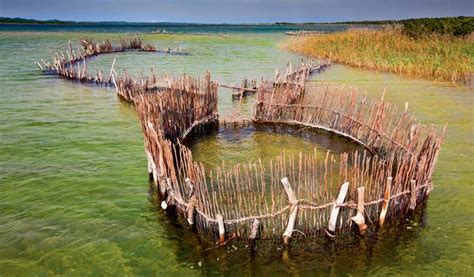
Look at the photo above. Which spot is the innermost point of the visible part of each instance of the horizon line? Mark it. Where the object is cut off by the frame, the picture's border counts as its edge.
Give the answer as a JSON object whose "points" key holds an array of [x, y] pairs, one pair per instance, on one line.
{"points": [[226, 23]]}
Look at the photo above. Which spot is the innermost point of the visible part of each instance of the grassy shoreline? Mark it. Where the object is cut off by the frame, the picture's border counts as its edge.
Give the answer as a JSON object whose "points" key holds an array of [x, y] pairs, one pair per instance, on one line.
{"points": [[441, 58]]}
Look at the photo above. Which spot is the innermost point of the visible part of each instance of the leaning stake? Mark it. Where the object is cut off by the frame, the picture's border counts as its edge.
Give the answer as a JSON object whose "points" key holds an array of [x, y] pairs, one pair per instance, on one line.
{"points": [[386, 200], [335, 209], [293, 209]]}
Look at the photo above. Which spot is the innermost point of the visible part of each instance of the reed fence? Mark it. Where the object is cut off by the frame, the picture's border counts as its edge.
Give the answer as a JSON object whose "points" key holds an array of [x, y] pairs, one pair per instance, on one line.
{"points": [[73, 64], [250, 87], [300, 196], [291, 196]]}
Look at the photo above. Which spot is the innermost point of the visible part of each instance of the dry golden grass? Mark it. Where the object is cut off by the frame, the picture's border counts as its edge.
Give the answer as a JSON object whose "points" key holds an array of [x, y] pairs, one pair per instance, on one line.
{"points": [[438, 58]]}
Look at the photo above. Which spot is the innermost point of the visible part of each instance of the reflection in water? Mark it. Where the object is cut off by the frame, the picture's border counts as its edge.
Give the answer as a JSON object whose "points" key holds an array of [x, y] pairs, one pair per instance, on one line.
{"points": [[346, 253]]}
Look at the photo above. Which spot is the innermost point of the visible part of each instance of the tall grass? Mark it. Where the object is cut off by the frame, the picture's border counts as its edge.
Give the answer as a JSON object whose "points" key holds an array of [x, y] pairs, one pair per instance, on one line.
{"points": [[442, 58]]}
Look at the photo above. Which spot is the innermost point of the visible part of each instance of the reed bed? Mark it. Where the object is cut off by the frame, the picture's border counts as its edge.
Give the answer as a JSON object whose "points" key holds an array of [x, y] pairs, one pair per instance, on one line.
{"points": [[443, 58]]}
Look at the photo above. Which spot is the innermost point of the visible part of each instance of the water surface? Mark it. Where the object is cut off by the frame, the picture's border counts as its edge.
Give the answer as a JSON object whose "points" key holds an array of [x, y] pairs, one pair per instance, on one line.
{"points": [[73, 180]]}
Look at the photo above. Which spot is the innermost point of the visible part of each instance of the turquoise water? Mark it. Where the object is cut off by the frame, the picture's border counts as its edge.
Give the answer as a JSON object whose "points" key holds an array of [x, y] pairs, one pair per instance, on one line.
{"points": [[182, 28], [73, 180]]}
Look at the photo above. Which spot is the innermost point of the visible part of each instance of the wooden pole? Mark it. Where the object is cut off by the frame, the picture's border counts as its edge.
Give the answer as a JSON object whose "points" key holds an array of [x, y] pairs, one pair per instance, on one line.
{"points": [[335, 209], [413, 194], [359, 219], [254, 230], [152, 168], [289, 191], [238, 88], [192, 202], [293, 209], [112, 68], [39, 66], [386, 200], [291, 224], [220, 223]]}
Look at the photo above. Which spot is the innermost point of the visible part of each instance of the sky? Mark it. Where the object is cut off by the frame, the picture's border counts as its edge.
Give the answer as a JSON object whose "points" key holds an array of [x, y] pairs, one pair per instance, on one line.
{"points": [[233, 11]]}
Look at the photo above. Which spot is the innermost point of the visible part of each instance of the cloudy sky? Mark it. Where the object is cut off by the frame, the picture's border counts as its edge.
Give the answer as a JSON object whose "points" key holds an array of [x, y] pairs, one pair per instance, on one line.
{"points": [[233, 11]]}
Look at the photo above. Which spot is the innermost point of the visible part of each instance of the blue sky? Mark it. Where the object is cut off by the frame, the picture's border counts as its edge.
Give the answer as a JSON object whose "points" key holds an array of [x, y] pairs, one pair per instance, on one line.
{"points": [[233, 11]]}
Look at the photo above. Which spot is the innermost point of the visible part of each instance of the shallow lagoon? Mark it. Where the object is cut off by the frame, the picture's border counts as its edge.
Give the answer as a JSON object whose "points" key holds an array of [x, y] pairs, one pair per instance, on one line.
{"points": [[73, 178]]}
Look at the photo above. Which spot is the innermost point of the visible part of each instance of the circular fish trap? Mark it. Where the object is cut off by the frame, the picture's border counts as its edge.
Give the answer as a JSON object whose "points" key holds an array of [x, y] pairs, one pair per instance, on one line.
{"points": [[290, 195]]}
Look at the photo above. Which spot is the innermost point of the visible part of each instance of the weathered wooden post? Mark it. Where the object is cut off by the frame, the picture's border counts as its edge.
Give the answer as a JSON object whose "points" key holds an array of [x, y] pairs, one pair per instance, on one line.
{"points": [[291, 223], [152, 162], [386, 200], [359, 219], [220, 223], [413, 195], [293, 209], [112, 75], [152, 168], [192, 202], [335, 209], [254, 230], [39, 66]]}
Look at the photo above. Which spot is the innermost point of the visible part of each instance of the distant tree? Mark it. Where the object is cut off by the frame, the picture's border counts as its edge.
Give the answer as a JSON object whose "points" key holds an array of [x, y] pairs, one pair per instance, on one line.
{"points": [[456, 26]]}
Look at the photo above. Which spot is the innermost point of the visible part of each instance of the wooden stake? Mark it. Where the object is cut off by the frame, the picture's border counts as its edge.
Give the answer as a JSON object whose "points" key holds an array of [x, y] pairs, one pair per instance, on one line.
{"points": [[293, 209], [112, 68], [220, 223], [289, 191], [335, 209], [39, 66], [413, 194], [192, 202], [291, 223], [386, 200], [359, 219], [254, 230], [152, 168]]}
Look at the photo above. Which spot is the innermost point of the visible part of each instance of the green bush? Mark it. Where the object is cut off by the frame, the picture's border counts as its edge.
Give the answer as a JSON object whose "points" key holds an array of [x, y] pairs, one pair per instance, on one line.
{"points": [[455, 26]]}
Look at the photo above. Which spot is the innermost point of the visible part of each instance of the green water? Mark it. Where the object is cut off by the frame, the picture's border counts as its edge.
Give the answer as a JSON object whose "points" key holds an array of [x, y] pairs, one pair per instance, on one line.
{"points": [[73, 181], [254, 143]]}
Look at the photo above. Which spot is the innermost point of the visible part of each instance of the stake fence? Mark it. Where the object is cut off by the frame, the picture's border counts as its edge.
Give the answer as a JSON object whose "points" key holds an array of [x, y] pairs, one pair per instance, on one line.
{"points": [[290, 197]]}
